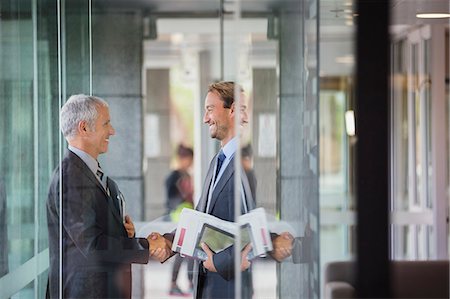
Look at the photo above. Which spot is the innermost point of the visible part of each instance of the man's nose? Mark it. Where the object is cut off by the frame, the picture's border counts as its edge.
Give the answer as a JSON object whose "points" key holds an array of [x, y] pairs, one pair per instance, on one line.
{"points": [[244, 117]]}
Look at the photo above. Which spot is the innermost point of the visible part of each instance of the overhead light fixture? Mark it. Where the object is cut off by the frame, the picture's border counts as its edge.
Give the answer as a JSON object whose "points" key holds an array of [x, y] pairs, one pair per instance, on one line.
{"points": [[433, 15], [347, 59], [350, 122]]}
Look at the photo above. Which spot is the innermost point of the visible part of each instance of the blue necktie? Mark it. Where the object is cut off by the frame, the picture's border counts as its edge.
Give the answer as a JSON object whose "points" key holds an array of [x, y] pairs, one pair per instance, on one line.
{"points": [[220, 158]]}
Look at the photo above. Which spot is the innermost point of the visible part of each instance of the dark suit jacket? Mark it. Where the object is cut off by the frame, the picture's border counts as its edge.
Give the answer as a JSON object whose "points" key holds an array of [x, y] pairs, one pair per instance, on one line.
{"points": [[96, 251], [221, 284]]}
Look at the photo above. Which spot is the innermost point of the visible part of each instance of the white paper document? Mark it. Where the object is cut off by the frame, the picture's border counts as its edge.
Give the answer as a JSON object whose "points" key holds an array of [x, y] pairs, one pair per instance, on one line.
{"points": [[196, 227]]}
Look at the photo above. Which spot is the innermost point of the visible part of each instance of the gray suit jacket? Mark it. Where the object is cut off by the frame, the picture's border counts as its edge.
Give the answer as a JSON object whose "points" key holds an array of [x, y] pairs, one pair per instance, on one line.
{"points": [[96, 251], [221, 284]]}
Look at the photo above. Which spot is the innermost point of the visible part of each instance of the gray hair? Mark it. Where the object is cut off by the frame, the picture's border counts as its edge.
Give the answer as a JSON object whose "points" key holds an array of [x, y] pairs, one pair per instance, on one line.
{"points": [[78, 108]]}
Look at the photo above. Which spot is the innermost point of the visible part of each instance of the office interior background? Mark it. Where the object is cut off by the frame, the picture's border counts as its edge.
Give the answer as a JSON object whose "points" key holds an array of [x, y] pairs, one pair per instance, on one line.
{"points": [[349, 123]]}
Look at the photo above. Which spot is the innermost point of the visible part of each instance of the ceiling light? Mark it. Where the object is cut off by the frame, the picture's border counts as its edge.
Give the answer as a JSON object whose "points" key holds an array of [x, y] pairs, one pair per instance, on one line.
{"points": [[433, 15], [350, 122], [345, 59]]}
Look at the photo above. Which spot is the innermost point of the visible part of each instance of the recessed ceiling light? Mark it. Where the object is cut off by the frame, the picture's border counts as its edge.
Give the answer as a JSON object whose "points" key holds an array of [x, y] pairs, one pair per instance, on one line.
{"points": [[433, 15]]}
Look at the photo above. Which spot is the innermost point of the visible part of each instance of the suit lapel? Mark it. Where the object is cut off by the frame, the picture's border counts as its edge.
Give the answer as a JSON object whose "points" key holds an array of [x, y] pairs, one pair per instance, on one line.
{"points": [[80, 163], [228, 172], [114, 191], [201, 206]]}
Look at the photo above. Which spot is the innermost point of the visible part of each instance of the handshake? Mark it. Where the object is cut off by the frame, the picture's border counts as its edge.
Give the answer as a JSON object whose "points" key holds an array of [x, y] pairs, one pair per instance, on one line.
{"points": [[160, 247]]}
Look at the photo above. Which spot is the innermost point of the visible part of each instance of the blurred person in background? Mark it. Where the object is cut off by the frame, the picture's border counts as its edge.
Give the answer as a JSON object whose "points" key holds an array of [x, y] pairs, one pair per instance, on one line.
{"points": [[246, 158], [179, 193]]}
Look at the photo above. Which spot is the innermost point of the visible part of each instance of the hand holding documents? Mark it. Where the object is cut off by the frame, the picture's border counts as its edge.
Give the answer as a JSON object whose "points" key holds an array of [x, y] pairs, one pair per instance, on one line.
{"points": [[195, 228]]}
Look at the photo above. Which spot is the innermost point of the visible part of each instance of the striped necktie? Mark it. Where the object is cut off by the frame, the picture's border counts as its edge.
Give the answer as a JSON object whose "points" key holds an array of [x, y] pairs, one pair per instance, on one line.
{"points": [[103, 178]]}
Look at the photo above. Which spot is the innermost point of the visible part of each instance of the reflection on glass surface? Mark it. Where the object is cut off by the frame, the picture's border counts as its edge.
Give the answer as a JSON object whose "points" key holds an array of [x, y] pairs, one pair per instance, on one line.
{"points": [[411, 147], [337, 149]]}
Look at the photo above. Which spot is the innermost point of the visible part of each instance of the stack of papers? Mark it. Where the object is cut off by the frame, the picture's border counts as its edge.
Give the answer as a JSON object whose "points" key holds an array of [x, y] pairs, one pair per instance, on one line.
{"points": [[195, 228]]}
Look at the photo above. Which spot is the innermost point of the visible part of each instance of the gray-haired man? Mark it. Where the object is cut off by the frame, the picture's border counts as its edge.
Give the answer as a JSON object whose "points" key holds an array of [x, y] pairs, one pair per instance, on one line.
{"points": [[98, 244]]}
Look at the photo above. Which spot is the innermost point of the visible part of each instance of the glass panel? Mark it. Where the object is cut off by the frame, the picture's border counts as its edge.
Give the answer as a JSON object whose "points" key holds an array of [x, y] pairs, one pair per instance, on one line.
{"points": [[182, 54], [400, 128], [337, 136], [299, 147], [411, 124], [257, 110], [426, 94], [29, 139], [400, 149], [447, 120], [66, 73], [17, 140], [335, 184], [417, 124], [76, 45]]}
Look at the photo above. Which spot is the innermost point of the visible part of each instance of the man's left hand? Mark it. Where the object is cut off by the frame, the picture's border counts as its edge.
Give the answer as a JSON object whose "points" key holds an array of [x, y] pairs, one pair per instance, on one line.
{"points": [[208, 264], [129, 226], [245, 263]]}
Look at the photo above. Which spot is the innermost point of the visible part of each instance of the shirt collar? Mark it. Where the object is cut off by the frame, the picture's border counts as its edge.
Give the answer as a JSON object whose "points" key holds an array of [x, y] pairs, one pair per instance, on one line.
{"points": [[88, 159], [230, 148]]}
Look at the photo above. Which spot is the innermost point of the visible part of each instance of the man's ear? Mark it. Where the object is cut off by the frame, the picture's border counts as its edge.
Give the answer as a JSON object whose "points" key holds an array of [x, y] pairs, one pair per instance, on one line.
{"points": [[232, 107], [82, 127]]}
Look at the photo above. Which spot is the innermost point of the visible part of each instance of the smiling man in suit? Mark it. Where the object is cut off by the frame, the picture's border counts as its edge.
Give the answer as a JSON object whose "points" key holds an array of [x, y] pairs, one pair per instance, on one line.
{"points": [[215, 277], [91, 251]]}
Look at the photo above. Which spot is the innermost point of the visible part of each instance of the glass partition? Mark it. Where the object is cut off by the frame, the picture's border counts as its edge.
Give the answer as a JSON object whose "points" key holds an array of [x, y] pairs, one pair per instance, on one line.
{"points": [[413, 228], [337, 136], [155, 76], [29, 143]]}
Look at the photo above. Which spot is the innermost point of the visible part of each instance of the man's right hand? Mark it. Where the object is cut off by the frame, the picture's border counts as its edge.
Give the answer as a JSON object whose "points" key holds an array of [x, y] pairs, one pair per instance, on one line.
{"points": [[160, 248]]}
